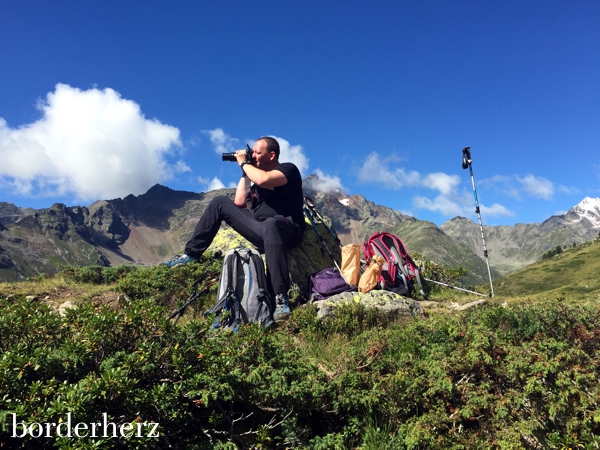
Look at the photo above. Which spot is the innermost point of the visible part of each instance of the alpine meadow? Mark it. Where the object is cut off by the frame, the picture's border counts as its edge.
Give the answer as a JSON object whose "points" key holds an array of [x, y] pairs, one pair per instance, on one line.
{"points": [[96, 343]]}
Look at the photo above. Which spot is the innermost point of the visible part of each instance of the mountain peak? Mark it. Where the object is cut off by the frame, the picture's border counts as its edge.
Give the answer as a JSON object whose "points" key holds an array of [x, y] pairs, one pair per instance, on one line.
{"points": [[589, 203], [588, 208]]}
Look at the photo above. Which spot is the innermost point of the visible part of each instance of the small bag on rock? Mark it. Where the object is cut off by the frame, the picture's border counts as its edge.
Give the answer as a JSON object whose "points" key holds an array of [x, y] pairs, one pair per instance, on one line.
{"points": [[326, 283], [351, 263], [370, 278]]}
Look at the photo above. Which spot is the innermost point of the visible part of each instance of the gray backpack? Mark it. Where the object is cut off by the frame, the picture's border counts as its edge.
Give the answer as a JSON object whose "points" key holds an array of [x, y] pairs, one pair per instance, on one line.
{"points": [[243, 291]]}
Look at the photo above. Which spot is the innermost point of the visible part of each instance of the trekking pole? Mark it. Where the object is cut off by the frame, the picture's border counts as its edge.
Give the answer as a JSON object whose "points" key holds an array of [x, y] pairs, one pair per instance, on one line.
{"points": [[193, 296], [454, 287], [466, 162], [315, 212], [312, 222]]}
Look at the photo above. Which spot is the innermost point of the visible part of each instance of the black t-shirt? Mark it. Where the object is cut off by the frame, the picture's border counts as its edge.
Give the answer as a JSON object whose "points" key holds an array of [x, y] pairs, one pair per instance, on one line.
{"points": [[283, 200]]}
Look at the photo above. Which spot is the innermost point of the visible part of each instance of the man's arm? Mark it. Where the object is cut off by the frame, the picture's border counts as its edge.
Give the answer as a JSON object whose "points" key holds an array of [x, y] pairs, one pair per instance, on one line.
{"points": [[240, 193], [265, 179]]}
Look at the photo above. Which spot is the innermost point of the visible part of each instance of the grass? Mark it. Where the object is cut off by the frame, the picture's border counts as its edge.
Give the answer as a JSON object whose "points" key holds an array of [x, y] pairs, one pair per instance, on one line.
{"points": [[571, 274], [55, 288], [403, 382]]}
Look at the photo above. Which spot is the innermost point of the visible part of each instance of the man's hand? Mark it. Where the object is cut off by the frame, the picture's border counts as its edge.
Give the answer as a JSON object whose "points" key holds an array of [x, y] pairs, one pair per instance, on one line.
{"points": [[240, 156]]}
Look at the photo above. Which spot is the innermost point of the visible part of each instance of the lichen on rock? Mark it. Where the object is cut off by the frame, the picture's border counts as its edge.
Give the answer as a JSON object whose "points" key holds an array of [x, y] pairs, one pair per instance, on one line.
{"points": [[383, 300]]}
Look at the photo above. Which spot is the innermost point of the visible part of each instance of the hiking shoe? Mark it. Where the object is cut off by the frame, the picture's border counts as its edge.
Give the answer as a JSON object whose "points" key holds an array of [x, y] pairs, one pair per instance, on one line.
{"points": [[282, 307], [178, 260]]}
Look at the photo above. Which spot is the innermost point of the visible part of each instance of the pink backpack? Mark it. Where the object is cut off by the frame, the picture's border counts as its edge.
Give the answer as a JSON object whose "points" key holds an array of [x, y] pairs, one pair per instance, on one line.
{"points": [[399, 271]]}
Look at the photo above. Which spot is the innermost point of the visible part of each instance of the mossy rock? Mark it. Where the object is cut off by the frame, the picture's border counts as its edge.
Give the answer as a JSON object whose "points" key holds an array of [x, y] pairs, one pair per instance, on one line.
{"points": [[386, 301], [310, 257]]}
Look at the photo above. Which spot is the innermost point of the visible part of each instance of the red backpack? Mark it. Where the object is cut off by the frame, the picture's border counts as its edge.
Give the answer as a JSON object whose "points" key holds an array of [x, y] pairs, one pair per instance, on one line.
{"points": [[399, 271]]}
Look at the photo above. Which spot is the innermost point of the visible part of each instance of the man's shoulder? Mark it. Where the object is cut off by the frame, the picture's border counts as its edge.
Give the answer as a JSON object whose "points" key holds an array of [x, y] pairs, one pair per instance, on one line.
{"points": [[288, 164], [288, 169]]}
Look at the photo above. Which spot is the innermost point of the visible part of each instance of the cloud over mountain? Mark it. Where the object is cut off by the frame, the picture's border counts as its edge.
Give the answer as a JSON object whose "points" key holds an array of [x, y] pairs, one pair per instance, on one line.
{"points": [[449, 202], [89, 144]]}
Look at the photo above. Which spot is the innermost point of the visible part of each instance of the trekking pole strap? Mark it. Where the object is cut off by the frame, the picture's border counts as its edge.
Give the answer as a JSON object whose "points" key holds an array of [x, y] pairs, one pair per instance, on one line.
{"points": [[455, 287]]}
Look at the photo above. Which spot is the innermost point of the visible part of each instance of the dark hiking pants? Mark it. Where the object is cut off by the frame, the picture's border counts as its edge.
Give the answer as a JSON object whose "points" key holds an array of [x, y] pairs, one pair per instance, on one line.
{"points": [[273, 237]]}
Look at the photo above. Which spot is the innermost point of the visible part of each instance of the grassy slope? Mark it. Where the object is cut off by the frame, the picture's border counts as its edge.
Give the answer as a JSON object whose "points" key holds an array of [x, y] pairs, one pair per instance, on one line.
{"points": [[572, 274]]}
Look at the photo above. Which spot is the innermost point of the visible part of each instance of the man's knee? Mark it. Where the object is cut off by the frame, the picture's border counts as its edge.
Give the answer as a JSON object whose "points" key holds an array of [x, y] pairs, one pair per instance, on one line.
{"points": [[219, 200], [271, 224]]}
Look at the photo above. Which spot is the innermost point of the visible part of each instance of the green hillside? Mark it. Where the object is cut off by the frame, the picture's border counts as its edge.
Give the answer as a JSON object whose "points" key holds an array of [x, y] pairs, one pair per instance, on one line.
{"points": [[572, 274], [428, 240]]}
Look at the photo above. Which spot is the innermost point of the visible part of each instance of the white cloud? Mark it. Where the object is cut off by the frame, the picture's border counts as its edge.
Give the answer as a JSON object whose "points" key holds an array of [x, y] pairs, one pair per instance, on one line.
{"points": [[442, 182], [449, 202], [568, 189], [325, 183], [529, 185], [91, 144], [376, 169], [539, 187], [211, 185], [215, 183], [294, 154], [496, 210], [222, 142], [441, 204]]}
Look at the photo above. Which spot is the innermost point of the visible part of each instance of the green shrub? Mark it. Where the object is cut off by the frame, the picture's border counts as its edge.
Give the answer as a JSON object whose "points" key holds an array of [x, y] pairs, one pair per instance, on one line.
{"points": [[167, 286], [493, 377], [96, 274]]}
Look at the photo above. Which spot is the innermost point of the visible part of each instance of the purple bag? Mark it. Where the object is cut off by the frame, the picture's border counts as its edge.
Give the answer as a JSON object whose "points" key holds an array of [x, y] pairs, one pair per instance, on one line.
{"points": [[326, 283]]}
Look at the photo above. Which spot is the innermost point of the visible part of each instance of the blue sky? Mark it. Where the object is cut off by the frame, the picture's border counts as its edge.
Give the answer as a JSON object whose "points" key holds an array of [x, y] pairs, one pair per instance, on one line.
{"points": [[100, 99]]}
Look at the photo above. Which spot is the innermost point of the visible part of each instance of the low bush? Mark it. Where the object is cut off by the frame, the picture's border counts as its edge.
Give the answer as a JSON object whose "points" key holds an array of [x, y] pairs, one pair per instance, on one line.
{"points": [[494, 377], [166, 285], [96, 274]]}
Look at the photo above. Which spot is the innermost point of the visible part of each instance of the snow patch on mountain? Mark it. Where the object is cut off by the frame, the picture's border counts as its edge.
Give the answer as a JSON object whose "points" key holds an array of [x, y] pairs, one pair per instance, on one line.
{"points": [[588, 208]]}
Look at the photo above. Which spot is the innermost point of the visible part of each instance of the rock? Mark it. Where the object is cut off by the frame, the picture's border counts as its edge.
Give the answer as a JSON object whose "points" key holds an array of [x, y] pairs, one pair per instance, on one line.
{"points": [[383, 300], [310, 257], [32, 298], [62, 308], [226, 239]]}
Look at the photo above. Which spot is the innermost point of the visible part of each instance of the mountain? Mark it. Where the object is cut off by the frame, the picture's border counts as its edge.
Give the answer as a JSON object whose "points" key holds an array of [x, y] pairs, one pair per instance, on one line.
{"points": [[572, 275], [10, 213], [355, 218], [148, 228], [513, 247], [139, 230]]}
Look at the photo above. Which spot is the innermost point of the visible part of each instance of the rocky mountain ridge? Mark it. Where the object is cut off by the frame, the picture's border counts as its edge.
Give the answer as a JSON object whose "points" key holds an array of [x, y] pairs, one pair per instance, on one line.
{"points": [[513, 247], [148, 228]]}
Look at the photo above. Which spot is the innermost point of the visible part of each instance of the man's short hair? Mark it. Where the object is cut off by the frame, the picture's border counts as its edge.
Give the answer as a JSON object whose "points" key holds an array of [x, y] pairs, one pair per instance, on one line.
{"points": [[272, 145]]}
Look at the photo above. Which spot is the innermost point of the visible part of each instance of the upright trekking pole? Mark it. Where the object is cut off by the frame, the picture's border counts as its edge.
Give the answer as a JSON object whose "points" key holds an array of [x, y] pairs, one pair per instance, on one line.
{"points": [[466, 162], [311, 219]]}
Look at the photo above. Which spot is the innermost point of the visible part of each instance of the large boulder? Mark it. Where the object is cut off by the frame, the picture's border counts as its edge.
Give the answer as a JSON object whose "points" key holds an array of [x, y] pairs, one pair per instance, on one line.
{"points": [[386, 301], [310, 257]]}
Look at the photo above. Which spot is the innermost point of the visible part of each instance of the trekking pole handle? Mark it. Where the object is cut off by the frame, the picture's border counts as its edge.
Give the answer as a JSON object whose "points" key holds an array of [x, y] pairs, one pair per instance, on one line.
{"points": [[466, 157]]}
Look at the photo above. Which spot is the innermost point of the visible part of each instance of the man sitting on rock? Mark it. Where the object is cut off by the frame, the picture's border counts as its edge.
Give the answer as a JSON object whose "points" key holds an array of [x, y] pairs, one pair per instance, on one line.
{"points": [[275, 225]]}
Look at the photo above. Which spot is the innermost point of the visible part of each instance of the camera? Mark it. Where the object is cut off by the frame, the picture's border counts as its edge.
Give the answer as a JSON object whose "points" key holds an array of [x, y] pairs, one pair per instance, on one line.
{"points": [[231, 156]]}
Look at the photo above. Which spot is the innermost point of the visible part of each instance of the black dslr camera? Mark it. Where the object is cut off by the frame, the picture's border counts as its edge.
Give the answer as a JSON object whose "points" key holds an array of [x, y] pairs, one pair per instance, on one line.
{"points": [[231, 156]]}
